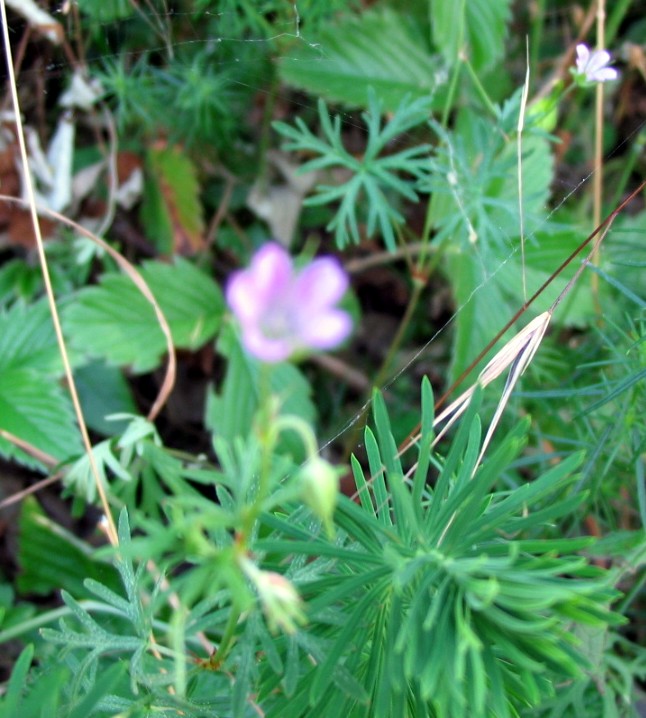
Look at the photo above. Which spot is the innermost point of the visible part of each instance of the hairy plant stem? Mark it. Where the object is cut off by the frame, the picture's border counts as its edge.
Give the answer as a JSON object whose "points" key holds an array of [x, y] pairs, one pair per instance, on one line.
{"points": [[418, 287], [482, 93], [218, 658]]}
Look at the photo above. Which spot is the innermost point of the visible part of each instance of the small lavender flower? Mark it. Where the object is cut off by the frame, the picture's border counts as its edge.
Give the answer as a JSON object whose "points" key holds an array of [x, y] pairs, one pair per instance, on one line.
{"points": [[282, 311], [593, 66]]}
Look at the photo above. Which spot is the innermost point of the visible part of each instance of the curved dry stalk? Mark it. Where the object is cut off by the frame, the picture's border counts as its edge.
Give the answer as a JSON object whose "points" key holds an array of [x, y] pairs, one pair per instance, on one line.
{"points": [[29, 187], [45, 458]]}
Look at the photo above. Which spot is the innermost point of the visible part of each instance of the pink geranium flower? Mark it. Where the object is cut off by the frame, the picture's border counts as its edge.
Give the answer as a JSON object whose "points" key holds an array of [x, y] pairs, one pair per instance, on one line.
{"points": [[593, 66], [282, 311]]}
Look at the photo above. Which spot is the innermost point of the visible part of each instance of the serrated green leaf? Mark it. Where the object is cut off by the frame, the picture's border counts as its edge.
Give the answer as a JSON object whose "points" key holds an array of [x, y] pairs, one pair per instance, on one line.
{"points": [[114, 321], [171, 211], [27, 339], [36, 410], [381, 49], [480, 25]]}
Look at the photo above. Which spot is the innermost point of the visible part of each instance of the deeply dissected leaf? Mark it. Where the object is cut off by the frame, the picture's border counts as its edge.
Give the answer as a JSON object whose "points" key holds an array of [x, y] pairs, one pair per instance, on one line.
{"points": [[114, 321], [381, 49], [376, 178], [172, 211]]}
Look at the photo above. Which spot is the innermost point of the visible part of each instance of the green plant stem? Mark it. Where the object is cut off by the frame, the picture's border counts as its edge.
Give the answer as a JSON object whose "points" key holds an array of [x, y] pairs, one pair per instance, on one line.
{"points": [[266, 428], [418, 288], [226, 642], [482, 93], [450, 95]]}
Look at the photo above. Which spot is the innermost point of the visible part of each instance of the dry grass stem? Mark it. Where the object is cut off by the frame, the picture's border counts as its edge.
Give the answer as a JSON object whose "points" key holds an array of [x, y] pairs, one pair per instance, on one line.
{"points": [[29, 188], [519, 152]]}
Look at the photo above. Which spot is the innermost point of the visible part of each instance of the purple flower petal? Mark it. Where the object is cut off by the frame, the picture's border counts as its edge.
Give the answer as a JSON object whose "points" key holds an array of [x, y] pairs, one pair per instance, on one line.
{"points": [[329, 330], [597, 60], [321, 284], [605, 74], [241, 297], [593, 66], [582, 57], [266, 349], [271, 269]]}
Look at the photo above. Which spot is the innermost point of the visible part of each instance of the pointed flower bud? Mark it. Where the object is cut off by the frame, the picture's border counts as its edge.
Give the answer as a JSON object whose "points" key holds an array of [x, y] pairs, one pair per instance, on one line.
{"points": [[281, 604], [320, 489]]}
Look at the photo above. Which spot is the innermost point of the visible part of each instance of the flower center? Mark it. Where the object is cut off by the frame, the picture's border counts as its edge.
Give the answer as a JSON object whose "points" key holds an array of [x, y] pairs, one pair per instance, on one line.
{"points": [[279, 321]]}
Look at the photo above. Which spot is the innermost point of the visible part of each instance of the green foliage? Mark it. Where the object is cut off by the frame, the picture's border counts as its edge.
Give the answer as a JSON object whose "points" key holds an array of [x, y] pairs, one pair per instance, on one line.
{"points": [[32, 405], [231, 411], [106, 10], [130, 334], [421, 604], [52, 558], [478, 27], [427, 604], [103, 391], [375, 176], [379, 49], [449, 586], [131, 87], [205, 99], [171, 211]]}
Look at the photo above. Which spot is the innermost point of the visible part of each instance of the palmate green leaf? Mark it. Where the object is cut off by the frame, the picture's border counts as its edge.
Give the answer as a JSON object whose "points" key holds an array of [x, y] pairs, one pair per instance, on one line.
{"points": [[115, 322], [481, 25], [34, 408], [380, 49], [378, 177]]}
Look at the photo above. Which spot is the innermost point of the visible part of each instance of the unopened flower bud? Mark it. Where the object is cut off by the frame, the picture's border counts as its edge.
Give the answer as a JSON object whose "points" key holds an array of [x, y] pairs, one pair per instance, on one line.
{"points": [[320, 489], [281, 604]]}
